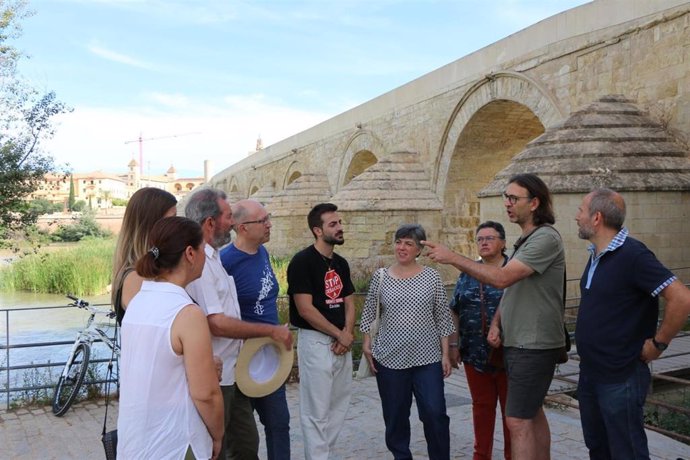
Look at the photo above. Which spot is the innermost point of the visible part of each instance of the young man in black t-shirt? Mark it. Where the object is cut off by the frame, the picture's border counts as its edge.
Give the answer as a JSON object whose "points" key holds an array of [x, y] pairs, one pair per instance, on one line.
{"points": [[322, 307]]}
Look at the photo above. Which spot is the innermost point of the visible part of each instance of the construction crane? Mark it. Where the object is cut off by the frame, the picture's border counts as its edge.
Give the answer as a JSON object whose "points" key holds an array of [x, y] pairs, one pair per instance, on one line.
{"points": [[141, 141]]}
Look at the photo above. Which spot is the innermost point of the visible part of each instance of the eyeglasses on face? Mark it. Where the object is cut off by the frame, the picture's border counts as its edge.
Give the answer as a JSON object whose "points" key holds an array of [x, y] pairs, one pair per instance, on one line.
{"points": [[488, 239], [263, 221], [512, 199]]}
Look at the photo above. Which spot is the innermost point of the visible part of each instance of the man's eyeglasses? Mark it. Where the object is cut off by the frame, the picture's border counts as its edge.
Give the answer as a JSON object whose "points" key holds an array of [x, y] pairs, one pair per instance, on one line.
{"points": [[488, 239], [512, 199], [260, 221]]}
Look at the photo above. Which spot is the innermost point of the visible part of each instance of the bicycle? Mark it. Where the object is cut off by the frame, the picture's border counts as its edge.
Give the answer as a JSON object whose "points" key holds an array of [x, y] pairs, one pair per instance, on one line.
{"points": [[72, 376]]}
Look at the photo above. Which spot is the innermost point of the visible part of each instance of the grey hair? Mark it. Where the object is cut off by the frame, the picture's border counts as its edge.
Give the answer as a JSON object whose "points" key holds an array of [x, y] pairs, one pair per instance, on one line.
{"points": [[611, 206], [203, 204], [414, 232]]}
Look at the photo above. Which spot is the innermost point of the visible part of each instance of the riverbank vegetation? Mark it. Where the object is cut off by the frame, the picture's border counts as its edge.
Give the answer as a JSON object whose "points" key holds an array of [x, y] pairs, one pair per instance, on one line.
{"points": [[85, 268], [82, 270]]}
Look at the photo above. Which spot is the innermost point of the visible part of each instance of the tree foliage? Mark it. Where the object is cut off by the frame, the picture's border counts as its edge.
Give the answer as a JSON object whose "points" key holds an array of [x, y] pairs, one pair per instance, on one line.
{"points": [[84, 227], [43, 206], [26, 119]]}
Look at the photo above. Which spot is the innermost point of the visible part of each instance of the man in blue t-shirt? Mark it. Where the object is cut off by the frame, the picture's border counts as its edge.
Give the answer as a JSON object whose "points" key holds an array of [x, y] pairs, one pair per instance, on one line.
{"points": [[257, 290], [617, 328]]}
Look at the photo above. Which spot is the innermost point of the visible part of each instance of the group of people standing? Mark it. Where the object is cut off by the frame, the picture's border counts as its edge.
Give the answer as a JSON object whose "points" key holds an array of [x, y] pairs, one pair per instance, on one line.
{"points": [[616, 328], [185, 321], [189, 304]]}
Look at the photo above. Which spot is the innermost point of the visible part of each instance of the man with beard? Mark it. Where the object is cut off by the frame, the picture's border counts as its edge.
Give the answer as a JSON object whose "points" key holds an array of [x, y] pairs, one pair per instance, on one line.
{"points": [[322, 308], [529, 320], [617, 328], [247, 261], [216, 294]]}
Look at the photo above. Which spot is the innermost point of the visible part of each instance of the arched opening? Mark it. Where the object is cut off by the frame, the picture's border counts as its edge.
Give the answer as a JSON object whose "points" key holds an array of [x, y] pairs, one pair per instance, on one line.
{"points": [[253, 190], [490, 139], [360, 162], [293, 177]]}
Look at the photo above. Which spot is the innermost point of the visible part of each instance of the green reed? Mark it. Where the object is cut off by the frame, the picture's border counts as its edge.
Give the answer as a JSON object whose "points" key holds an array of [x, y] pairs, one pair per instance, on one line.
{"points": [[82, 269]]}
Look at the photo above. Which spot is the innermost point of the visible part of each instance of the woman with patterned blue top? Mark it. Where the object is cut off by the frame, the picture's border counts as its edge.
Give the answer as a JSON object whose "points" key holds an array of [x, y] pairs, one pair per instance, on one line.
{"points": [[474, 305], [409, 355]]}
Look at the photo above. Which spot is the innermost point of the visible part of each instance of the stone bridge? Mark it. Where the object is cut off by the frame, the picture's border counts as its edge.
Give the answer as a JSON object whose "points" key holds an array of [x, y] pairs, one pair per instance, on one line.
{"points": [[596, 95]]}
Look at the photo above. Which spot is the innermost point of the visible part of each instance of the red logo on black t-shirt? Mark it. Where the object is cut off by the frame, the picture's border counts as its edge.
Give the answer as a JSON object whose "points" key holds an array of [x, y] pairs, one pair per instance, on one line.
{"points": [[333, 285]]}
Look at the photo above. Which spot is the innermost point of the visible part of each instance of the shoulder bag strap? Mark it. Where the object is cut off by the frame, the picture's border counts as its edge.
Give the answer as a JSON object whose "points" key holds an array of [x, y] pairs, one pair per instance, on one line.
{"points": [[378, 293], [108, 377]]}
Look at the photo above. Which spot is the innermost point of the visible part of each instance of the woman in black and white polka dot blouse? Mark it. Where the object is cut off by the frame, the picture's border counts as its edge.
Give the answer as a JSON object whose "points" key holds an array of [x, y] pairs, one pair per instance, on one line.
{"points": [[409, 355]]}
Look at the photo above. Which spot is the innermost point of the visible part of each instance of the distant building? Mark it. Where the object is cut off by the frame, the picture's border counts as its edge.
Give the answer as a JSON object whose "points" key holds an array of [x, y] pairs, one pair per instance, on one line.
{"points": [[99, 188]]}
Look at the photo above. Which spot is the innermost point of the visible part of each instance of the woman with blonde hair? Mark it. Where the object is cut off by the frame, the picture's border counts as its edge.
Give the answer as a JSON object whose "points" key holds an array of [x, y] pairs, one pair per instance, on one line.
{"points": [[146, 207], [170, 405]]}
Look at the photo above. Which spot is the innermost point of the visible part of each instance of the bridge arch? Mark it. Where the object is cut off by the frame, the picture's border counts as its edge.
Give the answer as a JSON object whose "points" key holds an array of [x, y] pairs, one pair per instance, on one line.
{"points": [[231, 185], [491, 124], [253, 187], [499, 86], [292, 173], [362, 150]]}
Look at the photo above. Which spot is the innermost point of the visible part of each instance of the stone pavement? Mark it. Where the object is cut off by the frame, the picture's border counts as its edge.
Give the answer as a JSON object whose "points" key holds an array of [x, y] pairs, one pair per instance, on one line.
{"points": [[37, 433]]}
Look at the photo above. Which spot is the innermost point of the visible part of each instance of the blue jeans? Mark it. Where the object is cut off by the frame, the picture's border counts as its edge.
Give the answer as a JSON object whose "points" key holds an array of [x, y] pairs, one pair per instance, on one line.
{"points": [[275, 417], [396, 387], [612, 416]]}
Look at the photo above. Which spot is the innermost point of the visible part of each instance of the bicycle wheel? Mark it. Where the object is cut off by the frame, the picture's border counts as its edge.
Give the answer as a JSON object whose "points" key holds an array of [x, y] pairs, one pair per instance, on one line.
{"points": [[69, 383]]}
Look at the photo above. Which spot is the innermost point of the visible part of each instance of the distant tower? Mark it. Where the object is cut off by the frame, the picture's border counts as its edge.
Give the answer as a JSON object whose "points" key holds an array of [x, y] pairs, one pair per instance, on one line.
{"points": [[133, 177], [171, 172], [259, 144], [208, 170]]}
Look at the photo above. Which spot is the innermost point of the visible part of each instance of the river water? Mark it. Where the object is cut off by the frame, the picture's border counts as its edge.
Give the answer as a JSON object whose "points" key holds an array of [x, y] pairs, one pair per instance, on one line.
{"points": [[44, 322]]}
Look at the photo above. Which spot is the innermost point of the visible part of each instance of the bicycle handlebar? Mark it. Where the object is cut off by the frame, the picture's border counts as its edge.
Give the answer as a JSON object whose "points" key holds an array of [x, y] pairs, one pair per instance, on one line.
{"points": [[79, 303]]}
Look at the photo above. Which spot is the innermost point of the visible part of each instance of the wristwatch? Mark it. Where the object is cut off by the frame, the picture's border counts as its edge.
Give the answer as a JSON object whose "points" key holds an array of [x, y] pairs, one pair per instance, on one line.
{"points": [[661, 346]]}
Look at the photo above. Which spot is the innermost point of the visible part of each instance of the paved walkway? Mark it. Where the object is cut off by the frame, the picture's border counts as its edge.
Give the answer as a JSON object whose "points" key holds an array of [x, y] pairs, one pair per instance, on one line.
{"points": [[36, 433]]}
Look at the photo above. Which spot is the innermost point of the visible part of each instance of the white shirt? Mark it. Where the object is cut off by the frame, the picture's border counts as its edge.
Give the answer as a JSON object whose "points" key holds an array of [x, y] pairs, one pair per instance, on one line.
{"points": [[215, 293], [157, 417]]}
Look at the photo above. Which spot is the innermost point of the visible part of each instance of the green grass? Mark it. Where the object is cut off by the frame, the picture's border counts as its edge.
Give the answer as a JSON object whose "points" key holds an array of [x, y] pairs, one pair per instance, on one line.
{"points": [[83, 269]]}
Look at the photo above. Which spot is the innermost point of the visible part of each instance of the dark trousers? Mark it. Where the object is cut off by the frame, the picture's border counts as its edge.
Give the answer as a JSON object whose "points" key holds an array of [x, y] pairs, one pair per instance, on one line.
{"points": [[612, 416], [275, 417], [241, 440], [396, 387]]}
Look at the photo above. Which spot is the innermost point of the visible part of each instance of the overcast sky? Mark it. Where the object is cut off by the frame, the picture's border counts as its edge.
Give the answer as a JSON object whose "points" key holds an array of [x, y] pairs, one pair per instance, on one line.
{"points": [[204, 79]]}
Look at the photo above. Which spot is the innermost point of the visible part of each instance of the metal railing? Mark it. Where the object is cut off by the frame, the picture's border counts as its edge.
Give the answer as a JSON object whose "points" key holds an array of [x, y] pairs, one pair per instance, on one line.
{"points": [[572, 304], [8, 368]]}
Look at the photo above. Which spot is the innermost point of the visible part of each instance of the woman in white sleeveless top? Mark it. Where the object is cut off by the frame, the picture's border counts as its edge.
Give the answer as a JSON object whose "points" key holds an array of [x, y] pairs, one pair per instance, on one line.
{"points": [[170, 399]]}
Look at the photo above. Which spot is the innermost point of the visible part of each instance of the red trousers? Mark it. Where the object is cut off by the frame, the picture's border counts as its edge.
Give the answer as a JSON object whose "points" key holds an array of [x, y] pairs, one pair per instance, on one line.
{"points": [[487, 389]]}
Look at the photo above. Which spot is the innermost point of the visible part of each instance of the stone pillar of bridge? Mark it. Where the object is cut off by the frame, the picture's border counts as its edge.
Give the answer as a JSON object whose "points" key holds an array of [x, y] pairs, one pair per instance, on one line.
{"points": [[393, 191], [609, 143], [289, 210]]}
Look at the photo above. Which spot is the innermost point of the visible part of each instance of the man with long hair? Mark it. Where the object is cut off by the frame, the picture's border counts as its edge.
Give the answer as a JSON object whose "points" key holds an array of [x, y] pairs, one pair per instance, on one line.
{"points": [[529, 321]]}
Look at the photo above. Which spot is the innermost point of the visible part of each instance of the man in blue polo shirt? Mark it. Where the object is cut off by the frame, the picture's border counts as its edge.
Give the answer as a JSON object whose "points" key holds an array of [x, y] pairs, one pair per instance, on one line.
{"points": [[617, 328]]}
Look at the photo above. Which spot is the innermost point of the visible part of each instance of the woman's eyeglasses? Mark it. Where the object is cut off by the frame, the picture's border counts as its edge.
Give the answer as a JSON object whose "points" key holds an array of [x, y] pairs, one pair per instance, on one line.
{"points": [[488, 239]]}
